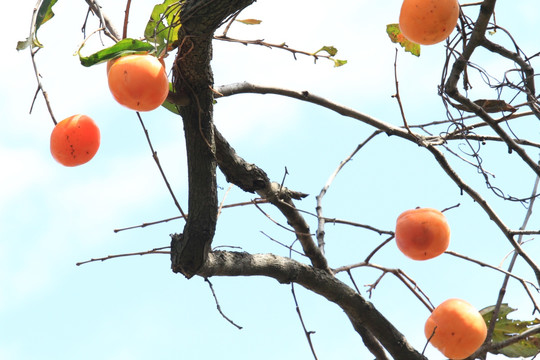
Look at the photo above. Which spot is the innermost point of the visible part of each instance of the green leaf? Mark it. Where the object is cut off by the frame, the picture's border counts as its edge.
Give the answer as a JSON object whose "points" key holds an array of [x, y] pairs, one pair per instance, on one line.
{"points": [[506, 328], [332, 51], [164, 23], [395, 35], [44, 14], [250, 21], [121, 48], [338, 63], [169, 105]]}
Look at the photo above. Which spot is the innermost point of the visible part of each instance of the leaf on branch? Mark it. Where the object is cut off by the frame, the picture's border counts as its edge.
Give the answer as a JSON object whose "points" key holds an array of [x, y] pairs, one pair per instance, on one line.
{"points": [[489, 106], [332, 51], [250, 21], [163, 26], [395, 35], [121, 48], [44, 14], [338, 63], [492, 106], [506, 328]]}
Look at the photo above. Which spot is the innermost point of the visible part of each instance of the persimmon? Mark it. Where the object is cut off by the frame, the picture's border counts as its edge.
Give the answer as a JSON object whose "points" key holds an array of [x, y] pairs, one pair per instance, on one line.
{"points": [[428, 22], [422, 233], [138, 81], [75, 140], [456, 329]]}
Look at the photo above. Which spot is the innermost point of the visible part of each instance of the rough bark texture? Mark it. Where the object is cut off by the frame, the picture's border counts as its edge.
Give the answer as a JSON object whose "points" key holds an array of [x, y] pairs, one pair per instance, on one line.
{"points": [[193, 76]]}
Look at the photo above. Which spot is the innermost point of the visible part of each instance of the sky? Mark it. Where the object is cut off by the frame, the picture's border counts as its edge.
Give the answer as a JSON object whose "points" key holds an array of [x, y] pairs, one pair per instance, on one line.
{"points": [[52, 217]]}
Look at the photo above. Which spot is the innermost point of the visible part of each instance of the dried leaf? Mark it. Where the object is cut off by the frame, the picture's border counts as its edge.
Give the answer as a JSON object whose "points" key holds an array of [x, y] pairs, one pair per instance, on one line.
{"points": [[492, 106], [250, 21]]}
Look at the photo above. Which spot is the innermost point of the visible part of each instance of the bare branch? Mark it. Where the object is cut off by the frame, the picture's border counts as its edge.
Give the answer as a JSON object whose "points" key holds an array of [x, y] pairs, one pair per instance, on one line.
{"points": [[321, 219], [153, 251], [287, 270], [219, 306], [156, 159]]}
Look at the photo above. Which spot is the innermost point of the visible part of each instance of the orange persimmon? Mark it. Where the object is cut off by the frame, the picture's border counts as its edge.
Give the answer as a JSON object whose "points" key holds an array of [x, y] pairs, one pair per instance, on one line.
{"points": [[138, 81], [456, 329], [422, 233], [75, 140], [428, 22]]}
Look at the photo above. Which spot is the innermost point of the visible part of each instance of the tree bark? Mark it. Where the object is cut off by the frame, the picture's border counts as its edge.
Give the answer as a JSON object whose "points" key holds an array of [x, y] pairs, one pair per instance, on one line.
{"points": [[360, 311], [192, 75]]}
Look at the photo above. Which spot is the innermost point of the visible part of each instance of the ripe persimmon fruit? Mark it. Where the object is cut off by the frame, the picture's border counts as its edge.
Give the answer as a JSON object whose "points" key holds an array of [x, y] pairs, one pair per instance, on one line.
{"points": [[456, 329], [75, 140], [138, 81], [422, 233], [428, 22]]}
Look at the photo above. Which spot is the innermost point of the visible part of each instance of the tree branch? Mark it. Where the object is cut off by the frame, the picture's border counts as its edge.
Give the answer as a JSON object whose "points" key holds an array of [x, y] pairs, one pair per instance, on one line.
{"points": [[192, 75], [286, 270]]}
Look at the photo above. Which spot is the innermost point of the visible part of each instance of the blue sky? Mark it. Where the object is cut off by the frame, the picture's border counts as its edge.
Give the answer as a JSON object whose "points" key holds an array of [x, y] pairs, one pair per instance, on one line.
{"points": [[52, 217]]}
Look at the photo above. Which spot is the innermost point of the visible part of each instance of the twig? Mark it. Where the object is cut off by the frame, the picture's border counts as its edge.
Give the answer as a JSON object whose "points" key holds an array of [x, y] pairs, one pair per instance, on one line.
{"points": [[282, 46], [483, 264], [109, 30], [126, 19], [355, 224], [34, 65], [274, 221], [404, 278], [156, 159], [290, 248], [218, 306], [220, 207], [368, 258], [308, 333], [229, 24], [502, 290], [321, 220], [397, 97], [143, 225], [153, 251]]}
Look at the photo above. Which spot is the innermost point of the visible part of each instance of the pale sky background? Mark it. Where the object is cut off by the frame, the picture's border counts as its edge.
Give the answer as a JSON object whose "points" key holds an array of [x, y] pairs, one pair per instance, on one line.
{"points": [[52, 217]]}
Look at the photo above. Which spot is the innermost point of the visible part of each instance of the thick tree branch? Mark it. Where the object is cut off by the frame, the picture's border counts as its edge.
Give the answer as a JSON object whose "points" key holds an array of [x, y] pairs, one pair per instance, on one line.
{"points": [[192, 75], [251, 178], [285, 270]]}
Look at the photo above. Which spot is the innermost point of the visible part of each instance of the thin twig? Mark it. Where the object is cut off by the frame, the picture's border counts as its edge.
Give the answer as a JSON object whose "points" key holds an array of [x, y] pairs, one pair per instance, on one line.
{"points": [[398, 97], [143, 225], [156, 159], [220, 207], [219, 307], [509, 274], [321, 220], [33, 53], [141, 253], [400, 274], [126, 19], [308, 333], [290, 248]]}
